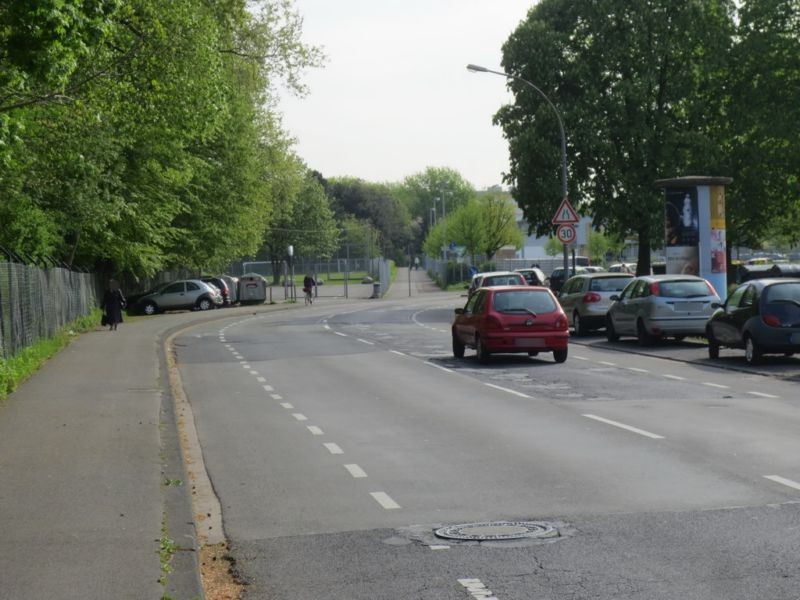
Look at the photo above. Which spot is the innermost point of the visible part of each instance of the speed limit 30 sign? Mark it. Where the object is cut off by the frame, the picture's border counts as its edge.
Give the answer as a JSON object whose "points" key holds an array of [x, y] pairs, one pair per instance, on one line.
{"points": [[566, 234]]}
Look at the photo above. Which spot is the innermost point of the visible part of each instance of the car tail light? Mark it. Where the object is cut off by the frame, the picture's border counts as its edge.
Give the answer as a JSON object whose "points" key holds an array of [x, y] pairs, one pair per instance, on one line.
{"points": [[771, 320], [590, 297], [711, 290], [561, 323], [654, 288], [493, 323]]}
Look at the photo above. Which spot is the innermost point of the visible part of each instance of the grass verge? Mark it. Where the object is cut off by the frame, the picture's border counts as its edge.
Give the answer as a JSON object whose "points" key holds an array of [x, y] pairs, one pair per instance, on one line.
{"points": [[17, 368]]}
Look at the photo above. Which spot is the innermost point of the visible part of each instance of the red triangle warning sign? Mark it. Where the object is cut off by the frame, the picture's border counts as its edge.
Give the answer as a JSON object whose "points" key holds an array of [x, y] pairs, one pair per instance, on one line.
{"points": [[565, 214]]}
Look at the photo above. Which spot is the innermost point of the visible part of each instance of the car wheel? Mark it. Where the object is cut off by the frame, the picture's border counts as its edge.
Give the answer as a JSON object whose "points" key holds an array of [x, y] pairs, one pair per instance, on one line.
{"points": [[205, 304], [644, 338], [611, 333], [458, 347], [577, 323], [149, 308], [713, 346], [483, 353], [752, 353], [560, 355]]}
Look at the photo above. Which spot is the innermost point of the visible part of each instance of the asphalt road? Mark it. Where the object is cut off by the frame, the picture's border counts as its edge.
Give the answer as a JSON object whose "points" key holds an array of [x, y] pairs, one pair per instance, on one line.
{"points": [[337, 440]]}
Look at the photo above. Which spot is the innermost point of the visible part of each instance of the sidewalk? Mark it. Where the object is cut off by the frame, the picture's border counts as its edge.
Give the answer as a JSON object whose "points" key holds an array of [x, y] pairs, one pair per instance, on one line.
{"points": [[89, 458]]}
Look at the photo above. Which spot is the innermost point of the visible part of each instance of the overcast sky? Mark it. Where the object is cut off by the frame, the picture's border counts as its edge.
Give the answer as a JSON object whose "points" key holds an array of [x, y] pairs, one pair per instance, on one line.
{"points": [[395, 97]]}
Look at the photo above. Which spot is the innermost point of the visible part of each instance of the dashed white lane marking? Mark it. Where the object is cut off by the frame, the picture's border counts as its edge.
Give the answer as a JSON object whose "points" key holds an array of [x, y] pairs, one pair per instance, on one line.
{"points": [[608, 364], [315, 430], [340, 333], [287, 406], [439, 547], [333, 448], [716, 385], [356, 471], [366, 342], [626, 427], [441, 368], [783, 481], [579, 357], [254, 372], [269, 388], [763, 395], [637, 370], [396, 352], [245, 366], [260, 380], [300, 416], [228, 346], [384, 500], [504, 389], [276, 396], [675, 377], [327, 327], [477, 589]]}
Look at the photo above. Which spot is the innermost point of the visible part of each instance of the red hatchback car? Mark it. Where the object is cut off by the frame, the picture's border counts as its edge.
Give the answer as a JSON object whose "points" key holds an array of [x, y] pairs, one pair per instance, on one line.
{"points": [[511, 319]]}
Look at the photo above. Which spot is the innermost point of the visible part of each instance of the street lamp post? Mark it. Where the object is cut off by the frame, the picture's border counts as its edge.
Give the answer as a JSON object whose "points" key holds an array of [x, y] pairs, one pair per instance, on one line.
{"points": [[478, 69], [444, 225]]}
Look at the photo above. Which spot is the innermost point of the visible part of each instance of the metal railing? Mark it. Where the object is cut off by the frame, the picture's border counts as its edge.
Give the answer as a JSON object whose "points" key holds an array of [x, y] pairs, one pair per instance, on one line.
{"points": [[36, 303]]}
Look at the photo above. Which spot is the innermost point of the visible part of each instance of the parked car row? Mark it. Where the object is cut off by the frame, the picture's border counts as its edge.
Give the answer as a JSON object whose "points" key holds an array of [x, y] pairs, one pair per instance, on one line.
{"points": [[188, 294], [505, 314]]}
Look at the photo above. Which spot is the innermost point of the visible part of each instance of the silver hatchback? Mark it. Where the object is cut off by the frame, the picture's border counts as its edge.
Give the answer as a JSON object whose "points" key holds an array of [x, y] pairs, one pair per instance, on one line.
{"points": [[585, 298], [655, 306], [182, 294]]}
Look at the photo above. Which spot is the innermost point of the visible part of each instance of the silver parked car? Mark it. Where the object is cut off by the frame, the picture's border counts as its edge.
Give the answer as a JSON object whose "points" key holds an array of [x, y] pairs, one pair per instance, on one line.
{"points": [[180, 295], [655, 306], [495, 278], [585, 298]]}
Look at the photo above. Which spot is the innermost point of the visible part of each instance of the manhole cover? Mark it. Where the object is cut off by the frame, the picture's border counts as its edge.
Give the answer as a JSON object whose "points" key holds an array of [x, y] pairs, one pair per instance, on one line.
{"points": [[497, 530]]}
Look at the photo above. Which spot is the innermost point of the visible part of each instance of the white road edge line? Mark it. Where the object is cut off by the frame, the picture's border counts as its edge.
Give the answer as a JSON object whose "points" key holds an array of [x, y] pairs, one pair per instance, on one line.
{"points": [[675, 377], [763, 395], [626, 427], [503, 389], [579, 357], [356, 471], [384, 500], [783, 481], [396, 352], [340, 333], [637, 370], [333, 448], [366, 342], [608, 364]]}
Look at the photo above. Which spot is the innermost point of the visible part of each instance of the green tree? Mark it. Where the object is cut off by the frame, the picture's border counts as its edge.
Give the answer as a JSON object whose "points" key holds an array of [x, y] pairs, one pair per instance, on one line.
{"points": [[630, 80], [760, 123], [553, 247], [498, 216], [465, 227]]}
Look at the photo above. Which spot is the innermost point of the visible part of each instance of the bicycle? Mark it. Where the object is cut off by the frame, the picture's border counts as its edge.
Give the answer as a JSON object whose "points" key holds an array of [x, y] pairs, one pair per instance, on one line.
{"points": [[308, 298]]}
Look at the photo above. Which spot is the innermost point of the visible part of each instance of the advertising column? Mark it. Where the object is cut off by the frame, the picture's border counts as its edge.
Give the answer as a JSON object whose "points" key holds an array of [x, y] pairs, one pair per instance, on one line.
{"points": [[694, 218]]}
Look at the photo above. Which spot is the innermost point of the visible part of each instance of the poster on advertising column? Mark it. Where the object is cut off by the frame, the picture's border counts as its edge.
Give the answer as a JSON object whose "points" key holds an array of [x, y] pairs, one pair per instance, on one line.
{"points": [[717, 244], [682, 223]]}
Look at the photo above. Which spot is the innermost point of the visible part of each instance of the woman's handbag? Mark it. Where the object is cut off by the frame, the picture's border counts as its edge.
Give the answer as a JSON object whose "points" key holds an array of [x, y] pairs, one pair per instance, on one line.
{"points": [[104, 320]]}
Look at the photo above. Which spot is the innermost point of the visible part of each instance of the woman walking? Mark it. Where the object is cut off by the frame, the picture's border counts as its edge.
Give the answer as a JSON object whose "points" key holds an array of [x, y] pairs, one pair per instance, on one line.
{"points": [[113, 303]]}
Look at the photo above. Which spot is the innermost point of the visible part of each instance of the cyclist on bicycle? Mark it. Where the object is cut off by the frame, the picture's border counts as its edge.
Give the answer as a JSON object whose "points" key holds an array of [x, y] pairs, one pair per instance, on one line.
{"points": [[308, 287]]}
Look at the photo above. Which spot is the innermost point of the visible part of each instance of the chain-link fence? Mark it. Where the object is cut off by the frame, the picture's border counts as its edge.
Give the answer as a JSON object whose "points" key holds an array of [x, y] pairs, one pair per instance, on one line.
{"points": [[35, 303]]}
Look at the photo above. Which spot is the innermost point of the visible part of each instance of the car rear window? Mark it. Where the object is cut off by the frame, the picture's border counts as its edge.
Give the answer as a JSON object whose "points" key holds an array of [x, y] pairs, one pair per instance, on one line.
{"points": [[524, 302], [608, 284], [683, 289], [496, 280], [788, 293]]}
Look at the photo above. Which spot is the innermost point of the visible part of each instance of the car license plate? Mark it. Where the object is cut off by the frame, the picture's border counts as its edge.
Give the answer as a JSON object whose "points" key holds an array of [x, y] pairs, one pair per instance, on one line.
{"points": [[530, 342], [688, 306]]}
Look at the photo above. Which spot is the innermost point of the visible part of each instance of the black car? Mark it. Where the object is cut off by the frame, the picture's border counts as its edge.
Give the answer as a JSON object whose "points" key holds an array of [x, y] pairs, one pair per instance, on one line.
{"points": [[557, 278], [762, 316], [222, 285]]}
